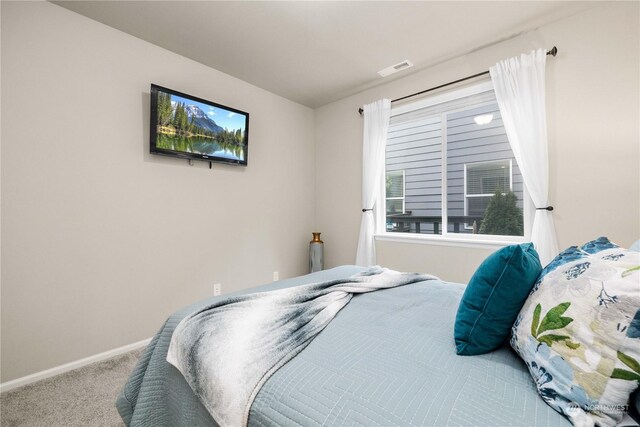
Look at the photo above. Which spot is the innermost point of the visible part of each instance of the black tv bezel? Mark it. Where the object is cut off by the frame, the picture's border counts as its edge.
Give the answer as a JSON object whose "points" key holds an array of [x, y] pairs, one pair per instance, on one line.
{"points": [[153, 134]]}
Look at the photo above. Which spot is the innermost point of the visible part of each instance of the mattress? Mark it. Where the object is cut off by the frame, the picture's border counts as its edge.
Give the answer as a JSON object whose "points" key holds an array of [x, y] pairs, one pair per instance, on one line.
{"points": [[388, 358]]}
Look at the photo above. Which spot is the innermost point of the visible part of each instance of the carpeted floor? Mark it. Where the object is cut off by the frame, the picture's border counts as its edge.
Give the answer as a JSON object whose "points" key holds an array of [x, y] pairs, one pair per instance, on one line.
{"points": [[83, 397]]}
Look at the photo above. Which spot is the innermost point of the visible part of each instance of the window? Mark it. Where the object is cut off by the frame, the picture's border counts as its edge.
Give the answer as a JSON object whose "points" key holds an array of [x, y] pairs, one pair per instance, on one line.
{"points": [[395, 207], [457, 172], [482, 180], [394, 184]]}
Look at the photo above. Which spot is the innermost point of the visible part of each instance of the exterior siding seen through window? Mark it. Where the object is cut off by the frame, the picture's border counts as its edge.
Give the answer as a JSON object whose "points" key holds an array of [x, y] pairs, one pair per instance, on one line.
{"points": [[416, 145]]}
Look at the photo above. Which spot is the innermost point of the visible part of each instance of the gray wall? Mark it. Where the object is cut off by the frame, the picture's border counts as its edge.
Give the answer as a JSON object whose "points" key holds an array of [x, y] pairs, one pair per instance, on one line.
{"points": [[593, 114], [102, 241], [469, 143], [416, 148]]}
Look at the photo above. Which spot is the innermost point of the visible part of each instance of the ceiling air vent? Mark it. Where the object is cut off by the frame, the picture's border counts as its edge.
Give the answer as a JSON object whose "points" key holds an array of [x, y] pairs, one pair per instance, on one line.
{"points": [[395, 68]]}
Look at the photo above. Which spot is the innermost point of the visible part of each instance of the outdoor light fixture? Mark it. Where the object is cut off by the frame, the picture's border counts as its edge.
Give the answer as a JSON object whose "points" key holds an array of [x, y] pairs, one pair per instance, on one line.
{"points": [[483, 119]]}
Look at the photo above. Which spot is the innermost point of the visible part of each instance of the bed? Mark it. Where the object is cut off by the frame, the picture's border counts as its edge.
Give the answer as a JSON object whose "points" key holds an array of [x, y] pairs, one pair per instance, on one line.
{"points": [[388, 358]]}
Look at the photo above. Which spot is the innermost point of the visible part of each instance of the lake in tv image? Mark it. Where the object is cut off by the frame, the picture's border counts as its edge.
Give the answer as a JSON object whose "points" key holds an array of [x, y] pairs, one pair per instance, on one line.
{"points": [[188, 126]]}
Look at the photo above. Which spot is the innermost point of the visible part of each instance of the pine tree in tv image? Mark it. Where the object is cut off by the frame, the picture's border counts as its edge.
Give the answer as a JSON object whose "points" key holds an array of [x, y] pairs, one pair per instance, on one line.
{"points": [[189, 126]]}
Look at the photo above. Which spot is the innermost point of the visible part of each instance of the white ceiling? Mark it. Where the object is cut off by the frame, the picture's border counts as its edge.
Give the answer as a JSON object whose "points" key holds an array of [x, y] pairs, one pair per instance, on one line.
{"points": [[316, 52]]}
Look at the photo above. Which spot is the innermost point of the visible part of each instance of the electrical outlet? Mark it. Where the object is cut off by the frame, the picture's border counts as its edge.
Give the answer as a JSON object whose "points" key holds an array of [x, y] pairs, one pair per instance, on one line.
{"points": [[217, 289], [276, 276]]}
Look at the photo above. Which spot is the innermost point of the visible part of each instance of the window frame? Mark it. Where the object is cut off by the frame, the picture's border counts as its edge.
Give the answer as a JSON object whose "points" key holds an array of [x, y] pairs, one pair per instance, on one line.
{"points": [[449, 238]]}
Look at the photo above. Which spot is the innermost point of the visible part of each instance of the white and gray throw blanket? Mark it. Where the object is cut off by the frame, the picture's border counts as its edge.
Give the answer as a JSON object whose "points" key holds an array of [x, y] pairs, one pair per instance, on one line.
{"points": [[228, 350]]}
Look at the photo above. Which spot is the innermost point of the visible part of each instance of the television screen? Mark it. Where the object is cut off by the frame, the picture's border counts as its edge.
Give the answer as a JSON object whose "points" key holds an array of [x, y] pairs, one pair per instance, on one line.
{"points": [[193, 128]]}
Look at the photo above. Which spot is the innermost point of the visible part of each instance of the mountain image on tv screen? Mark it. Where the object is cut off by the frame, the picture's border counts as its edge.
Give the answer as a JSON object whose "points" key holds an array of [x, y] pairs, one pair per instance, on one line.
{"points": [[188, 126]]}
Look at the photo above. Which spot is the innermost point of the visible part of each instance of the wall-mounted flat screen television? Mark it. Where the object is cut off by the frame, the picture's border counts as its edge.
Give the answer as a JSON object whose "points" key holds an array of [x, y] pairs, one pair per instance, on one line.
{"points": [[193, 128]]}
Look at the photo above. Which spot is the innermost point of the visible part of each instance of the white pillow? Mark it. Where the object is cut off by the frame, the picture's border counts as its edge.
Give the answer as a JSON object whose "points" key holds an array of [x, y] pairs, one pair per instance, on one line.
{"points": [[579, 332]]}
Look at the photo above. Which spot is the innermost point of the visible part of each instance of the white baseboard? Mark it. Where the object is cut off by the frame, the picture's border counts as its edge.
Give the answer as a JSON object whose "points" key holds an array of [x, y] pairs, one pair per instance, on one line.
{"points": [[19, 382]]}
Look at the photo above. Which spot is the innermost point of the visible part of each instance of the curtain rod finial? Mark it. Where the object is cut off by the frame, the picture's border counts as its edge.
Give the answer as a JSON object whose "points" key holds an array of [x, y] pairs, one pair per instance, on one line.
{"points": [[360, 111], [553, 51]]}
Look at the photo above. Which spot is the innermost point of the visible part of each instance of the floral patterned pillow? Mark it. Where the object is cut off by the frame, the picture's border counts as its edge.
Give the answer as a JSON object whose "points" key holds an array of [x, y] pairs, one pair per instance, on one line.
{"points": [[579, 332]]}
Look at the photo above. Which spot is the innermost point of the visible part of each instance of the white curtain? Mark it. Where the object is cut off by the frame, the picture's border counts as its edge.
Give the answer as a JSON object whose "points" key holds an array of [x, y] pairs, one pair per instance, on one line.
{"points": [[519, 84], [376, 125]]}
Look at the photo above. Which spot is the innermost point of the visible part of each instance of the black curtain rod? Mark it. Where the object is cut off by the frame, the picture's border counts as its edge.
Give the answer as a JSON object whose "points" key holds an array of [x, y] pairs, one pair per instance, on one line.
{"points": [[553, 52]]}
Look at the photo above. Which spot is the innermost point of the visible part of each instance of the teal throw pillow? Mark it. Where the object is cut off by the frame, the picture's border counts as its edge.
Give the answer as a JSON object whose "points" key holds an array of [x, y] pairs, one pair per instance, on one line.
{"points": [[493, 298]]}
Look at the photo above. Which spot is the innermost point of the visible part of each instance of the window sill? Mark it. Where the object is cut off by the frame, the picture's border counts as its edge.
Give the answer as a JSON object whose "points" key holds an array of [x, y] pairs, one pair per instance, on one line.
{"points": [[465, 242]]}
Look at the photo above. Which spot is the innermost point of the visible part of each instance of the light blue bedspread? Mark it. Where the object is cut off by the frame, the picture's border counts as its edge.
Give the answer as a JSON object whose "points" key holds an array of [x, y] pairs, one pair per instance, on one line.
{"points": [[388, 358], [228, 350]]}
